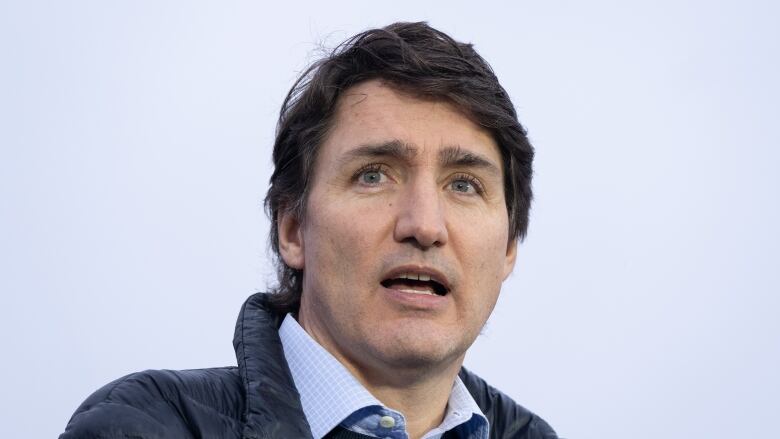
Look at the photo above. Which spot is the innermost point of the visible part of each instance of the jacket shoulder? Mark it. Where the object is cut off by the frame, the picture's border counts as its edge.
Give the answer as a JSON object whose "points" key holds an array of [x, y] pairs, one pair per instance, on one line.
{"points": [[163, 404], [508, 419]]}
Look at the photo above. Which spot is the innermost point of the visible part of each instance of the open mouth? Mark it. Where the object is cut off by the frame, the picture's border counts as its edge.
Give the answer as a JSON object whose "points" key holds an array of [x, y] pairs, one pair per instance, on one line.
{"points": [[415, 284]]}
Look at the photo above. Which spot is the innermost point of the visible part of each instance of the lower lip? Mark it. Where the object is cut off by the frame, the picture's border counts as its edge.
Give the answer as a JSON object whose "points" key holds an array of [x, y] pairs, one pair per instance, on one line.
{"points": [[428, 302]]}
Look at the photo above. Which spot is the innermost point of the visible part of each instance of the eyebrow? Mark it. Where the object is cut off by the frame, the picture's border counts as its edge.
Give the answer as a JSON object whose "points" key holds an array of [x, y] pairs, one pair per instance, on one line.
{"points": [[455, 156], [449, 157], [393, 148]]}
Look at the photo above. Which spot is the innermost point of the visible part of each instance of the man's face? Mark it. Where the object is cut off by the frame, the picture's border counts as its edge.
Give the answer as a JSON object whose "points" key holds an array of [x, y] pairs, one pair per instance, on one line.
{"points": [[404, 190]]}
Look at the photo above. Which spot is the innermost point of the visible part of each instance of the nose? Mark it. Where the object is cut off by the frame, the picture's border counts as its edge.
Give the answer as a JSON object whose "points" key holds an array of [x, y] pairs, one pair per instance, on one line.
{"points": [[421, 217]]}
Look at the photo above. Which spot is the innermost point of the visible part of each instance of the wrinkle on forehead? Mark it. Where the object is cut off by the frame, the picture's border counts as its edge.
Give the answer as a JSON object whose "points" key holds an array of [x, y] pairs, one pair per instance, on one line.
{"points": [[376, 112]]}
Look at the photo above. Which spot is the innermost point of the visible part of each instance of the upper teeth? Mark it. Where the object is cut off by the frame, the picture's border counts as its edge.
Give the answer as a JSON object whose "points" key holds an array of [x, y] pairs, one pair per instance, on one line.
{"points": [[415, 276]]}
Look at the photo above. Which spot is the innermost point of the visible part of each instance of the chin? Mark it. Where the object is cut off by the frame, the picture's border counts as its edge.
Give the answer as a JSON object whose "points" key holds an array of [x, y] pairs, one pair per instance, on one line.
{"points": [[417, 352], [417, 360]]}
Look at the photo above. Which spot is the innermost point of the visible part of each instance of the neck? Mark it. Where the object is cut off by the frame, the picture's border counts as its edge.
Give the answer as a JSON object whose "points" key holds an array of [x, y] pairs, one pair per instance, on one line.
{"points": [[421, 399], [419, 393]]}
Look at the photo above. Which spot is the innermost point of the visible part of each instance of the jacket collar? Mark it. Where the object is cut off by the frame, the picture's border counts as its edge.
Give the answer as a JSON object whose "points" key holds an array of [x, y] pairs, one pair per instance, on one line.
{"points": [[273, 406]]}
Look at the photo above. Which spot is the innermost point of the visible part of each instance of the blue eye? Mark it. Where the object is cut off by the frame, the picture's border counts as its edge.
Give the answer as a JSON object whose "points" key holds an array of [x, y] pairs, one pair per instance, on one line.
{"points": [[371, 177], [464, 186]]}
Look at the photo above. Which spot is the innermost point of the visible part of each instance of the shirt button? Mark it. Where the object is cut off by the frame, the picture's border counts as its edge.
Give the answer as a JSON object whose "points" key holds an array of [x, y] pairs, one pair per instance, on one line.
{"points": [[387, 422]]}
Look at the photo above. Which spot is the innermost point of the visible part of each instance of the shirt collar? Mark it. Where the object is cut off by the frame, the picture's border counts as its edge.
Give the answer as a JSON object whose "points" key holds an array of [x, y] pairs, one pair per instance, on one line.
{"points": [[330, 394]]}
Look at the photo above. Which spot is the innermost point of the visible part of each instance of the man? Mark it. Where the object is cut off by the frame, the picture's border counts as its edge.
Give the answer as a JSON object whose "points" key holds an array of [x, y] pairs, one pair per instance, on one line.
{"points": [[401, 187]]}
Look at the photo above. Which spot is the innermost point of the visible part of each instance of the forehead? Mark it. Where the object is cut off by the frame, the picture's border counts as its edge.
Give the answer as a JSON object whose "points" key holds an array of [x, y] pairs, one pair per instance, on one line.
{"points": [[374, 112]]}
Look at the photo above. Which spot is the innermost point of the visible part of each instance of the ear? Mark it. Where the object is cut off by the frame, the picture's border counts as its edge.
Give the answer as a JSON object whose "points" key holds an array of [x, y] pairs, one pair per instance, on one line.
{"points": [[511, 256], [290, 240]]}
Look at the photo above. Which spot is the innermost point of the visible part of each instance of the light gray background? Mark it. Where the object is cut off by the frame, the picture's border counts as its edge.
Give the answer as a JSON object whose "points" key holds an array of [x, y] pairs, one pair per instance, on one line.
{"points": [[135, 151]]}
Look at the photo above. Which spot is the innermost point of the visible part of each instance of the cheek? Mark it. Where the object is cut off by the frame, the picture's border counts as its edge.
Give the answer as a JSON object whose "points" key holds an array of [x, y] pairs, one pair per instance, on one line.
{"points": [[484, 230], [339, 242], [482, 252]]}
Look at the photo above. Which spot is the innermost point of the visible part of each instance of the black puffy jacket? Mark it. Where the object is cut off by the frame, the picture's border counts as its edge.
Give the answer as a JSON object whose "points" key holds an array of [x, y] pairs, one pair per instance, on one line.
{"points": [[257, 399]]}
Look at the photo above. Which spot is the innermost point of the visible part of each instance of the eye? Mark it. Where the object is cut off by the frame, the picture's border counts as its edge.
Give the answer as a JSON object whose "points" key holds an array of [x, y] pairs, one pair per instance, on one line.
{"points": [[371, 175], [462, 186], [466, 184]]}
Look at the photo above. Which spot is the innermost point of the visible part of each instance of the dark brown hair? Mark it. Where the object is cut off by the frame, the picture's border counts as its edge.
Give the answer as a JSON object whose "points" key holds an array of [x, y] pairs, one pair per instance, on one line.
{"points": [[416, 59]]}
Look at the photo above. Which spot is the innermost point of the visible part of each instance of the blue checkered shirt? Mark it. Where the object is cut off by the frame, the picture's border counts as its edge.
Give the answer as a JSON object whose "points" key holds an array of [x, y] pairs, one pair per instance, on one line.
{"points": [[331, 395]]}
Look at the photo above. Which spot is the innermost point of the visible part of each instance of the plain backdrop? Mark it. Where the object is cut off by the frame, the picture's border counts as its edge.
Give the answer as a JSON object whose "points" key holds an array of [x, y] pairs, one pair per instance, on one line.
{"points": [[135, 152]]}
